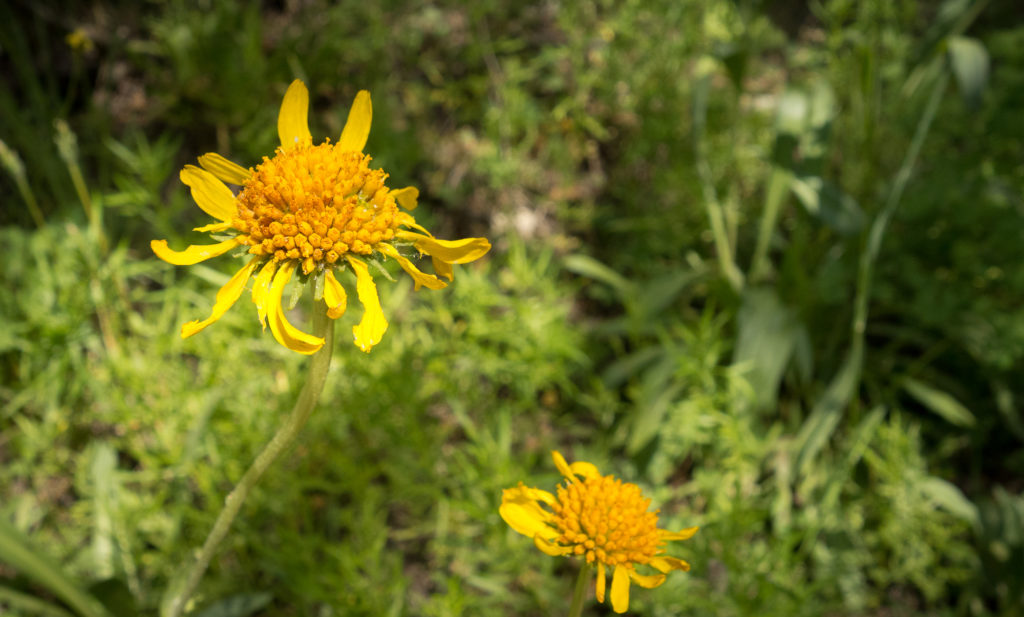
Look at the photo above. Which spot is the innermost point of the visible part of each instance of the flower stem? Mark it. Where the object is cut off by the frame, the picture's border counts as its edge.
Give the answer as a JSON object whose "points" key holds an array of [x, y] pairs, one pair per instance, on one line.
{"points": [[576, 608], [181, 589]]}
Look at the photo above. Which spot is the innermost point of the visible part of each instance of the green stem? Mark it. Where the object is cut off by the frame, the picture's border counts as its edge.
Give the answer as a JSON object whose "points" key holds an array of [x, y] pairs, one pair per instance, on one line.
{"points": [[178, 594], [576, 608]]}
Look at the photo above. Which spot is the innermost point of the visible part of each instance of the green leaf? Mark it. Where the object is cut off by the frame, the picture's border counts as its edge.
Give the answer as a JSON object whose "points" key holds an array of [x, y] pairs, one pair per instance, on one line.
{"points": [[16, 550], [239, 605], [939, 402], [829, 204], [950, 498], [827, 412], [970, 63], [765, 343], [591, 268]]}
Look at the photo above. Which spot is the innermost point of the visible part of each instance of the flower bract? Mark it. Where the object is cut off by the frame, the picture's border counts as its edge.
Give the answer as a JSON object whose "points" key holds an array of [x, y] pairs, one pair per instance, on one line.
{"points": [[316, 211], [598, 518]]}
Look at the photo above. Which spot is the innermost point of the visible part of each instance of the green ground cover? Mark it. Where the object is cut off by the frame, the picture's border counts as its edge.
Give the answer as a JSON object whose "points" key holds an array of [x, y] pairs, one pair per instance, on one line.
{"points": [[757, 257]]}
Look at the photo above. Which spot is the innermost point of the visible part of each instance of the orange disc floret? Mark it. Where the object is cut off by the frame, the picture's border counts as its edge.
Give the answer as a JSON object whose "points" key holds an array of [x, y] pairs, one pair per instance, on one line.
{"points": [[315, 204], [606, 520]]}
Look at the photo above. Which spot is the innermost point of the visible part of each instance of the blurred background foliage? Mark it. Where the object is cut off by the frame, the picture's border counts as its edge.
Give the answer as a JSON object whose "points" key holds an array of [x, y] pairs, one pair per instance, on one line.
{"points": [[757, 256]]}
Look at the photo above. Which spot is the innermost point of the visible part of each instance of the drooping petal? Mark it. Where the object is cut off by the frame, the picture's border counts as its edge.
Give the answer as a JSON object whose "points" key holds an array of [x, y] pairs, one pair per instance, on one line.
{"points": [[599, 590], [285, 333], [563, 466], [334, 296], [225, 170], [357, 127], [261, 291], [649, 581], [226, 298], [421, 279], [194, 254], [620, 589], [666, 564], [443, 269], [549, 548], [406, 197], [293, 120], [213, 227], [452, 251], [684, 534], [519, 508], [212, 195], [371, 328], [585, 469]]}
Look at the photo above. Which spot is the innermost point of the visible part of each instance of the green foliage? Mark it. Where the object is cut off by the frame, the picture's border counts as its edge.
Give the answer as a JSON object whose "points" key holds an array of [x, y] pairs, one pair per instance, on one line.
{"points": [[758, 257]]}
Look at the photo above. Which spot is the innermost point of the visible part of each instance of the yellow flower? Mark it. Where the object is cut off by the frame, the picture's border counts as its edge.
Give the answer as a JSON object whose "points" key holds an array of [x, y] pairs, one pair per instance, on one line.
{"points": [[600, 518], [319, 209]]}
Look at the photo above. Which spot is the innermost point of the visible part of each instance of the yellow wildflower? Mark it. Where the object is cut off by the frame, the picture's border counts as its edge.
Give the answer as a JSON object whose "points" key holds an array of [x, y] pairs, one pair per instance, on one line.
{"points": [[316, 209], [600, 518]]}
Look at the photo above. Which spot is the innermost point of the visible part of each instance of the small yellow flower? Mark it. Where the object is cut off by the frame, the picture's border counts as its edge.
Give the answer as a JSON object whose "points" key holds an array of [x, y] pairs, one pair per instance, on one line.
{"points": [[316, 209], [600, 518]]}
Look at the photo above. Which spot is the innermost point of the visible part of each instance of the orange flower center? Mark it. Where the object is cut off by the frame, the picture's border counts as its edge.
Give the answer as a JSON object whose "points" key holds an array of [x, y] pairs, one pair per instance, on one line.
{"points": [[607, 520], [314, 204]]}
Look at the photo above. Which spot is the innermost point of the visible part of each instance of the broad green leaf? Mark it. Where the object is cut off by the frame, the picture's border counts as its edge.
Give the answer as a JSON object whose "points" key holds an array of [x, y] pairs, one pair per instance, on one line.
{"points": [[969, 61], [765, 343], [17, 551], [939, 402], [829, 204], [950, 498]]}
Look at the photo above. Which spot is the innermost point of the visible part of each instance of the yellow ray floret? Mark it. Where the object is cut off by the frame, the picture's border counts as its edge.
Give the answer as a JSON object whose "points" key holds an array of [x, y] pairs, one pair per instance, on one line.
{"points": [[226, 298], [224, 169], [292, 122], [357, 126], [210, 193], [605, 521], [285, 333], [193, 254], [371, 328]]}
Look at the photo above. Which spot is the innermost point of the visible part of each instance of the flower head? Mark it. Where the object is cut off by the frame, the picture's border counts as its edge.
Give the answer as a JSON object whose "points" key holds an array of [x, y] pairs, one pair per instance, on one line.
{"points": [[599, 518], [317, 210]]}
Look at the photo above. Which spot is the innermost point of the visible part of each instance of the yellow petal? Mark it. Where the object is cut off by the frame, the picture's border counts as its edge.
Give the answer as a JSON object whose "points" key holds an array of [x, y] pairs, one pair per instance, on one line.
{"points": [[226, 298], [371, 328], [599, 591], [292, 120], [285, 333], [443, 269], [550, 549], [452, 251], [667, 564], [421, 279], [357, 127], [261, 291], [225, 170], [620, 589], [563, 466], [194, 254], [212, 195], [585, 469], [404, 218], [685, 534], [213, 227], [334, 296], [406, 197], [647, 581], [519, 508]]}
